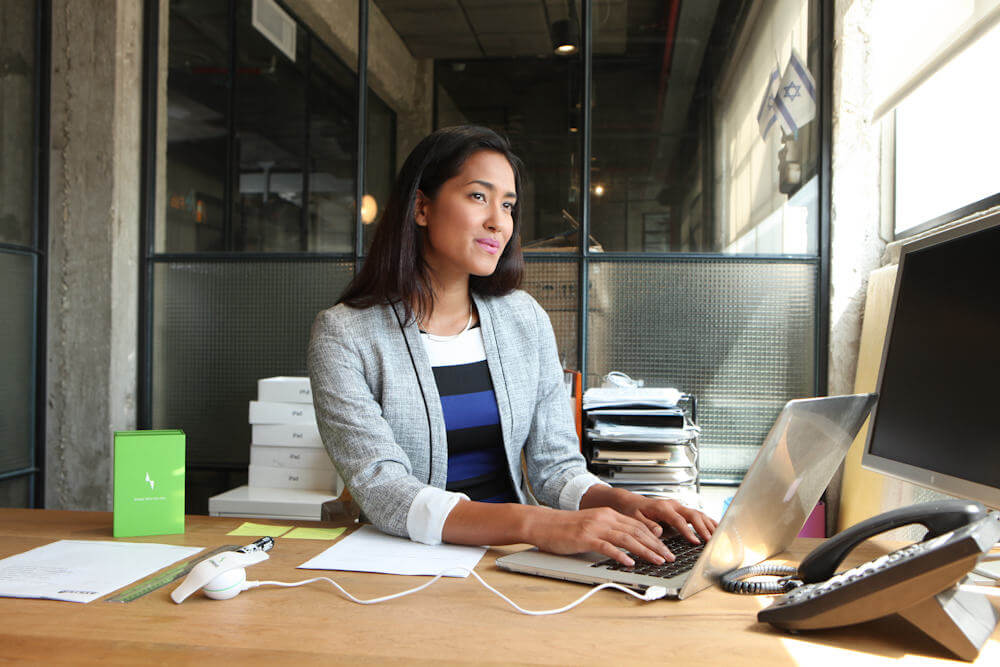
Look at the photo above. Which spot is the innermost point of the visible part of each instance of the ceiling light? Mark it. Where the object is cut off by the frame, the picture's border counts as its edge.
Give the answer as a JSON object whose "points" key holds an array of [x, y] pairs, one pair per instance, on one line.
{"points": [[565, 37], [599, 190], [369, 209]]}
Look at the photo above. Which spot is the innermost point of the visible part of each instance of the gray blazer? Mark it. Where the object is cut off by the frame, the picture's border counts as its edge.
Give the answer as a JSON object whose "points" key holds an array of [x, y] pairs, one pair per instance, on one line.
{"points": [[380, 415]]}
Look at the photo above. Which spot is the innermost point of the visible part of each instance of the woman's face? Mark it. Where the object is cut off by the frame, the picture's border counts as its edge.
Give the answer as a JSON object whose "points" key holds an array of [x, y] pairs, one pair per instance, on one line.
{"points": [[470, 221]]}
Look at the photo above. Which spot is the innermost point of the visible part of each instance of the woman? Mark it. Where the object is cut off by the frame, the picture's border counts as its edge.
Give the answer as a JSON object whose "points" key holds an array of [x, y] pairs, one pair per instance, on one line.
{"points": [[434, 376]]}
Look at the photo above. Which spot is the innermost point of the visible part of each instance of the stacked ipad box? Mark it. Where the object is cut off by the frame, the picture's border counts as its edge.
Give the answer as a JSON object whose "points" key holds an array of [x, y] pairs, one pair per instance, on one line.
{"points": [[285, 405], [290, 473], [644, 440]]}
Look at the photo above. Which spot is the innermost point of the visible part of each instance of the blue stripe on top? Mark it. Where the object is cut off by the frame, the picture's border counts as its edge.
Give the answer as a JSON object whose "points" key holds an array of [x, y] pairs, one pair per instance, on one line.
{"points": [[477, 465], [470, 410]]}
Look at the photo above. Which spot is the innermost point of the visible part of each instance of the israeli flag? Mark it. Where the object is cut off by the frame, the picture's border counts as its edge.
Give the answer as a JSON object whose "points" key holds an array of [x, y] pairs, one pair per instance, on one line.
{"points": [[767, 113], [795, 99]]}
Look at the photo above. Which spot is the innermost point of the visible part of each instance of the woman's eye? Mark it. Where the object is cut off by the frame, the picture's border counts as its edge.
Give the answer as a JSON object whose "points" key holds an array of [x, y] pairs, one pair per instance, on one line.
{"points": [[478, 195], [509, 206]]}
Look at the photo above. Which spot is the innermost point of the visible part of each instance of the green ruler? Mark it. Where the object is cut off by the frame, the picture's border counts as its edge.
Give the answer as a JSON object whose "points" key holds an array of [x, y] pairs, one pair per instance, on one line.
{"points": [[172, 573]]}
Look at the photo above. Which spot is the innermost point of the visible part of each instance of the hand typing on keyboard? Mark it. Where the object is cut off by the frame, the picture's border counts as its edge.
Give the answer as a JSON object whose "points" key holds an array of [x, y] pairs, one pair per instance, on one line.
{"points": [[694, 526], [686, 555], [690, 523]]}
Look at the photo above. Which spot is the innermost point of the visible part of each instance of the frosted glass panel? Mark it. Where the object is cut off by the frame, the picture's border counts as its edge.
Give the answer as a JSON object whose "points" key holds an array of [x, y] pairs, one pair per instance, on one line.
{"points": [[217, 329], [17, 359], [554, 283], [737, 334]]}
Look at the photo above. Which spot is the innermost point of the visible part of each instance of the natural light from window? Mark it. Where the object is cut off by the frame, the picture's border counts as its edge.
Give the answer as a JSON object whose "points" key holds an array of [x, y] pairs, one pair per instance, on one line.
{"points": [[948, 139]]}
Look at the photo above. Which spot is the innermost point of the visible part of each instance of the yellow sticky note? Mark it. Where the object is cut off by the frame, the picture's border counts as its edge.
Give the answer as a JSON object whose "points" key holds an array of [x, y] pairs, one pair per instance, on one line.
{"points": [[315, 533], [259, 529]]}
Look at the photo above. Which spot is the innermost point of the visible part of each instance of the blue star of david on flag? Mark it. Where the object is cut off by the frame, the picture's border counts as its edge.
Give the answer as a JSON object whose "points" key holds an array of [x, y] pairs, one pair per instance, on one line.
{"points": [[792, 91], [767, 115], [797, 105]]}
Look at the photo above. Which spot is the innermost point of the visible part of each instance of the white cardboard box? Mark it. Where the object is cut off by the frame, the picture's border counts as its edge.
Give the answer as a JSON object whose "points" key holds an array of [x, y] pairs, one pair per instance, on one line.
{"points": [[286, 435], [257, 503], [275, 412], [316, 479], [285, 390], [290, 457]]}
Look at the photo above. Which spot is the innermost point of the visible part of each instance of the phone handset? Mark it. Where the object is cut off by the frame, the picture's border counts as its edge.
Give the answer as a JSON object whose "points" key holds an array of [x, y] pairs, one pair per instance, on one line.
{"points": [[938, 517]]}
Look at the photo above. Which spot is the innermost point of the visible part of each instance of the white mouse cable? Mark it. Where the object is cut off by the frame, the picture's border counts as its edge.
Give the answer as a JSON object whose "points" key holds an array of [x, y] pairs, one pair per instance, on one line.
{"points": [[651, 593]]}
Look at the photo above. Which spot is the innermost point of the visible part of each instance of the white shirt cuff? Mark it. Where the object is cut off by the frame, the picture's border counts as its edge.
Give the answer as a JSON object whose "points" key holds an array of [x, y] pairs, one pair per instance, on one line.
{"points": [[572, 493], [428, 512]]}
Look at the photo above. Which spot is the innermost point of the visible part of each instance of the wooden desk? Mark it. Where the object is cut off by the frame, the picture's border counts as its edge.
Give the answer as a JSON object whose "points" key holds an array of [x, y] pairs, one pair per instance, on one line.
{"points": [[454, 621]]}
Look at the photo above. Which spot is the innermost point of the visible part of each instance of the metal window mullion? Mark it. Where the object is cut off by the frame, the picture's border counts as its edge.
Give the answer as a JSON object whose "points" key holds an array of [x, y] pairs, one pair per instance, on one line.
{"points": [[40, 195], [585, 148], [306, 152], [362, 125], [247, 257], [822, 334], [147, 206], [227, 184], [31, 472]]}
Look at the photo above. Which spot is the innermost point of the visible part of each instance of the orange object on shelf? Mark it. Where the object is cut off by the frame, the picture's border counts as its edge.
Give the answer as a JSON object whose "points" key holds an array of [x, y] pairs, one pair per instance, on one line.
{"points": [[574, 379]]}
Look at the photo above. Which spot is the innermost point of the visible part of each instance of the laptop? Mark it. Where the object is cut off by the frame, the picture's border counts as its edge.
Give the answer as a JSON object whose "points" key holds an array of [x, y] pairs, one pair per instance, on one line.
{"points": [[802, 451]]}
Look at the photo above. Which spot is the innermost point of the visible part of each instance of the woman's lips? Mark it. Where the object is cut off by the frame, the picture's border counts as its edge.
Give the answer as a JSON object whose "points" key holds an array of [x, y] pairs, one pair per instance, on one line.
{"points": [[489, 245]]}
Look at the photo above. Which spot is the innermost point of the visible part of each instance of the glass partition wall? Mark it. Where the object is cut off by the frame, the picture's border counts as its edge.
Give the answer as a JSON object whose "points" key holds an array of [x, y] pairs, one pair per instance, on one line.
{"points": [[23, 84], [664, 172]]}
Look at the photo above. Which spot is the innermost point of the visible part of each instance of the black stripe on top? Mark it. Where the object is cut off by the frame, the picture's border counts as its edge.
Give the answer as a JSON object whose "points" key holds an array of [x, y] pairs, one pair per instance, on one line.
{"points": [[463, 378], [485, 487], [468, 439]]}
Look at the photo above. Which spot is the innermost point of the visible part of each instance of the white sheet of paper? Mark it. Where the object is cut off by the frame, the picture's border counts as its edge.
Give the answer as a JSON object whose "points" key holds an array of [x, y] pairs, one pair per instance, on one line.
{"points": [[84, 570], [370, 550]]}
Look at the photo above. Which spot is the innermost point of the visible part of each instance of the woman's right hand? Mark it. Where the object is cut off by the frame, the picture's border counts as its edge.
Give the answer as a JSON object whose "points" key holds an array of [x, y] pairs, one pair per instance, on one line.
{"points": [[600, 529]]}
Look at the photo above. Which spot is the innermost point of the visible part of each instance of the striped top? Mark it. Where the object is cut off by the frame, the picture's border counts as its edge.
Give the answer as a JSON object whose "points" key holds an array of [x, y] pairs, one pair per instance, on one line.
{"points": [[477, 465]]}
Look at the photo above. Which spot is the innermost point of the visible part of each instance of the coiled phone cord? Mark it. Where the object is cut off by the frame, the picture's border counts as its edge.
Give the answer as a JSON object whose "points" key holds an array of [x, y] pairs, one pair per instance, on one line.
{"points": [[735, 581]]}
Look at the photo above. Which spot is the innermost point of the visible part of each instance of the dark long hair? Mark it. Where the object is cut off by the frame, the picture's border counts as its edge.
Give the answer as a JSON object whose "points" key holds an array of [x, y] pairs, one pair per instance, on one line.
{"points": [[395, 270]]}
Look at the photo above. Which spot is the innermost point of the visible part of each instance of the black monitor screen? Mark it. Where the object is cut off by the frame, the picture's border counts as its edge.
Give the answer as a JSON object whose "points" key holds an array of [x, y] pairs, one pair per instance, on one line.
{"points": [[939, 398]]}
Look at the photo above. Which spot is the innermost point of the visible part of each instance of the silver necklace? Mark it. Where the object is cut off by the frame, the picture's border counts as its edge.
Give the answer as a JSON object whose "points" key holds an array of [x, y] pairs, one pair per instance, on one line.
{"points": [[445, 339]]}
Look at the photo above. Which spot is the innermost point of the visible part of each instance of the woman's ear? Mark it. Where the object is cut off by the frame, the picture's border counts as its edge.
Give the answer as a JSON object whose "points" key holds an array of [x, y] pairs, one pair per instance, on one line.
{"points": [[420, 209]]}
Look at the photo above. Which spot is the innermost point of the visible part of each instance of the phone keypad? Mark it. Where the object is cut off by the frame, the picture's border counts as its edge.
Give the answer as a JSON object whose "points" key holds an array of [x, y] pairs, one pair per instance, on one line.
{"points": [[854, 574]]}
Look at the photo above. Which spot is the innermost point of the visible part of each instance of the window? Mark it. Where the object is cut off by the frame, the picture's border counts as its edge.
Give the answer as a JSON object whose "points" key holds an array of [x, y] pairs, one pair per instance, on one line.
{"points": [[947, 140], [701, 266], [261, 144], [22, 257]]}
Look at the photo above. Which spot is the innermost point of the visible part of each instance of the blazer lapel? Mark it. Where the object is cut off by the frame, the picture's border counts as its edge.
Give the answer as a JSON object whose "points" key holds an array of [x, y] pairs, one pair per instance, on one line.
{"points": [[494, 362], [428, 386]]}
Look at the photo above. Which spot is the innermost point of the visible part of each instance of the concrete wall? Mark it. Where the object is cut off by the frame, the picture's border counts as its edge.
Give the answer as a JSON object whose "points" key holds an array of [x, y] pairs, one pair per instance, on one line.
{"points": [[94, 229]]}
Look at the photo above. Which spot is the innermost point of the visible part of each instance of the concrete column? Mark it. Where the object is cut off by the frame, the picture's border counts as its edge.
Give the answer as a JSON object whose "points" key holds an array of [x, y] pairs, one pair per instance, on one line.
{"points": [[93, 250], [855, 192], [855, 189]]}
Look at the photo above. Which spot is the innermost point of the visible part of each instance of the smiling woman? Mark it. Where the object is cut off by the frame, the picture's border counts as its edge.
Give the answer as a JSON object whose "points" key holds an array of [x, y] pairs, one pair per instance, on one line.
{"points": [[434, 377]]}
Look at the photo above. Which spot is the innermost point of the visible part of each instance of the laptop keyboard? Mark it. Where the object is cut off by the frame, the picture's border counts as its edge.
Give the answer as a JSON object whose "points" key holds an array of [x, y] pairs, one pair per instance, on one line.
{"points": [[687, 554]]}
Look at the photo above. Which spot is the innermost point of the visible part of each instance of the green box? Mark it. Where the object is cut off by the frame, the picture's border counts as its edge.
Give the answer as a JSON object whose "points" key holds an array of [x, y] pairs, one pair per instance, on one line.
{"points": [[149, 483]]}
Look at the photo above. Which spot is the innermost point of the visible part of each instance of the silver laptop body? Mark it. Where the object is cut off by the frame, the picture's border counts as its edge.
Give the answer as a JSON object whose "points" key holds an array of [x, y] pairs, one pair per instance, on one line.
{"points": [[802, 451]]}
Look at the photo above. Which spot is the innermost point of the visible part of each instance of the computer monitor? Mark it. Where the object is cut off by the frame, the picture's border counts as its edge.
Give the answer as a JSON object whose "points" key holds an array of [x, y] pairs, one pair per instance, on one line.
{"points": [[937, 420]]}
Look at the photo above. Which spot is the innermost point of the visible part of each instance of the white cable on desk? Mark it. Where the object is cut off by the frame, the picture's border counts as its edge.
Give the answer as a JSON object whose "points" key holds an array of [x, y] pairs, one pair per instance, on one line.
{"points": [[651, 593]]}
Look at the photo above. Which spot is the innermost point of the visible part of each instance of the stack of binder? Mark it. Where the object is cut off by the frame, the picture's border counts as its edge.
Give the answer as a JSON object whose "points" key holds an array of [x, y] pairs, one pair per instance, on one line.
{"points": [[286, 451], [644, 440]]}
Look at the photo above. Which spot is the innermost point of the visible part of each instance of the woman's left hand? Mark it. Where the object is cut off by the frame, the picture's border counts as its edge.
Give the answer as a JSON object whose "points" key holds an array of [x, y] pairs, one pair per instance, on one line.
{"points": [[654, 512]]}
